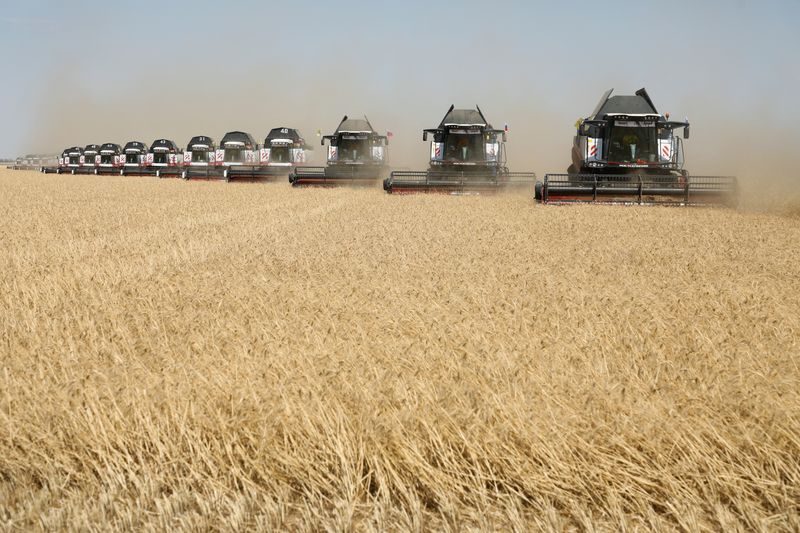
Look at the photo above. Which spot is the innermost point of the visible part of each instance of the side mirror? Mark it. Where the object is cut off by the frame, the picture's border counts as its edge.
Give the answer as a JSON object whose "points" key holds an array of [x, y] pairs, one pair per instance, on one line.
{"points": [[322, 142], [686, 132], [590, 130], [424, 136]]}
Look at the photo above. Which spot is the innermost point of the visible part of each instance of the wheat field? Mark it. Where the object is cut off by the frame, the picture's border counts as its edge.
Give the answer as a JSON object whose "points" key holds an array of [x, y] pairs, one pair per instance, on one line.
{"points": [[203, 356]]}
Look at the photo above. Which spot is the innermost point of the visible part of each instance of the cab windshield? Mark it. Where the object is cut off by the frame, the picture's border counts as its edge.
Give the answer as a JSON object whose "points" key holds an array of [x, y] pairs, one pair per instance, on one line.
{"points": [[279, 154], [234, 155], [354, 149], [633, 142], [199, 156], [160, 158], [464, 146]]}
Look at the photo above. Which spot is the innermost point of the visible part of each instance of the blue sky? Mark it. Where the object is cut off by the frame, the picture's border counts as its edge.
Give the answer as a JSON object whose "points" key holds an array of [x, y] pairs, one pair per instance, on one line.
{"points": [[81, 72]]}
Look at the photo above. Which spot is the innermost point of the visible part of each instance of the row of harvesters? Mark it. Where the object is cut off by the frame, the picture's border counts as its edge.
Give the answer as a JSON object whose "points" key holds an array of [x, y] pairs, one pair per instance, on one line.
{"points": [[237, 156], [624, 152]]}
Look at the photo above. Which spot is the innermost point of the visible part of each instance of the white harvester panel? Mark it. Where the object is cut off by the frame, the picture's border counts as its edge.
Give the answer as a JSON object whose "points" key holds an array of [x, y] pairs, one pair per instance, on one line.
{"points": [[298, 155], [83, 160], [665, 150], [377, 153], [594, 148], [264, 155], [118, 160], [148, 159], [187, 157], [437, 151], [250, 157], [97, 159], [492, 149], [333, 153], [220, 156]]}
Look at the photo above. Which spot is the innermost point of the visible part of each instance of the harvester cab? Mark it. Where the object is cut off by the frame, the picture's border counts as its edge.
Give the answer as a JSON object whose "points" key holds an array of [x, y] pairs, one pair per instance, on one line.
{"points": [[90, 159], [110, 159], [133, 159], [627, 152], [283, 149], [357, 155], [466, 155], [199, 158], [164, 158]]}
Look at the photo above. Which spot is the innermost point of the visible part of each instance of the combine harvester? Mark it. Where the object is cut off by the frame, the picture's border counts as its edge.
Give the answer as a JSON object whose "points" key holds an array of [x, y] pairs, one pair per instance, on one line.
{"points": [[628, 153], [467, 156], [284, 149], [199, 158], [110, 159], [357, 155], [164, 158], [237, 156], [73, 162], [133, 159], [89, 160]]}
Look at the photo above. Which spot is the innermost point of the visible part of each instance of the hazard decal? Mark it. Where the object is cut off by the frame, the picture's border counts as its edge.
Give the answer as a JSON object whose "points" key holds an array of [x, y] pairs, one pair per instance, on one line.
{"points": [[436, 151]]}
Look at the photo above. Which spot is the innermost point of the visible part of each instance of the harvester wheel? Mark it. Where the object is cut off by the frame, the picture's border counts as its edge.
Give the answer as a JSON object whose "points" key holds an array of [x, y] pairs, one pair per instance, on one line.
{"points": [[58, 171], [73, 172], [184, 175], [122, 172], [226, 175], [537, 191], [158, 174]]}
